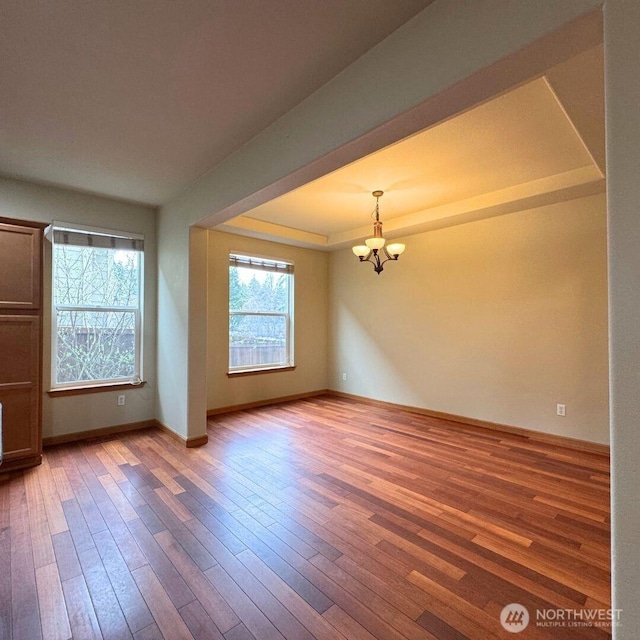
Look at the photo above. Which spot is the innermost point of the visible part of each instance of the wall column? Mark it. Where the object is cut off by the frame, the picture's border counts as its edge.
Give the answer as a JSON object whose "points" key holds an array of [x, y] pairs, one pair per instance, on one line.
{"points": [[622, 95]]}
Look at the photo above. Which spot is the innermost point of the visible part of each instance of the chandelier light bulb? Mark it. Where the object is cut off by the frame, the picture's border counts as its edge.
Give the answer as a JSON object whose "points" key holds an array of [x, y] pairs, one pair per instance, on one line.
{"points": [[395, 248], [361, 251], [374, 243]]}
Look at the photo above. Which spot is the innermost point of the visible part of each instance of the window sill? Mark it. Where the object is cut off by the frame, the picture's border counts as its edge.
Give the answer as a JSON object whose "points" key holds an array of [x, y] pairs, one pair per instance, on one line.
{"points": [[255, 372], [95, 388]]}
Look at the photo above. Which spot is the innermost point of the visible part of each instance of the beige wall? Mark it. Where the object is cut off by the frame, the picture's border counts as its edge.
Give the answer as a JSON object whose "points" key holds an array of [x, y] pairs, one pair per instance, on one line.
{"points": [[310, 310], [27, 201], [498, 320]]}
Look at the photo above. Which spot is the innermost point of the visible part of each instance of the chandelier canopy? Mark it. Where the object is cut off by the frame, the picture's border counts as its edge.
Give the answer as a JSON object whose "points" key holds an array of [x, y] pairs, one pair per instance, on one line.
{"points": [[375, 250]]}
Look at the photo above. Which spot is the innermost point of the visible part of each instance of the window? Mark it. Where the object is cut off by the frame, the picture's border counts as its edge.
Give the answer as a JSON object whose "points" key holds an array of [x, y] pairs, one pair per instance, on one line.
{"points": [[260, 314], [97, 306]]}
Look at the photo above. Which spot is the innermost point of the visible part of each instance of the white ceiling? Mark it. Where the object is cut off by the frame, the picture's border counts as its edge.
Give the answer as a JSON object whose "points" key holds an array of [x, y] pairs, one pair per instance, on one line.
{"points": [[138, 99], [541, 142]]}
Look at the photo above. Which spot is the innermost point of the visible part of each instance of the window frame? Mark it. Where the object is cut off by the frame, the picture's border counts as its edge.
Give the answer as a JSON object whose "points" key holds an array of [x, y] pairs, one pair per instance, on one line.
{"points": [[137, 378], [289, 316]]}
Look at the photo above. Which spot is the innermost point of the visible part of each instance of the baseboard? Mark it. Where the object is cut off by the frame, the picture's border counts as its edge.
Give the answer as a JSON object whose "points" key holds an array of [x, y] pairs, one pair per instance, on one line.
{"points": [[20, 463], [196, 441], [265, 403], [563, 441], [97, 433]]}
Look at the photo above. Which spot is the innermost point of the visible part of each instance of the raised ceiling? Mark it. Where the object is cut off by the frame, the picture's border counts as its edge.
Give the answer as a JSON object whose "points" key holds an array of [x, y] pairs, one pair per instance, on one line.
{"points": [[539, 143], [136, 100]]}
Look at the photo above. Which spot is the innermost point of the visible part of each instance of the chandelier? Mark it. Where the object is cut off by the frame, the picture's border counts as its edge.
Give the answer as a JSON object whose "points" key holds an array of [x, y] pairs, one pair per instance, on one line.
{"points": [[374, 249]]}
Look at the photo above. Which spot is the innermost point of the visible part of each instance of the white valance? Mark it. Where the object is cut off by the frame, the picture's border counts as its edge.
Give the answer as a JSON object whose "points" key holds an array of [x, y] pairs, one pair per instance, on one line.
{"points": [[261, 264], [62, 233]]}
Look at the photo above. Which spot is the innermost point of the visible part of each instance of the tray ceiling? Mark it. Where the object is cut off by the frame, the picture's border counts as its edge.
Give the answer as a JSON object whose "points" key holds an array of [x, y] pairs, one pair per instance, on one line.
{"points": [[538, 143]]}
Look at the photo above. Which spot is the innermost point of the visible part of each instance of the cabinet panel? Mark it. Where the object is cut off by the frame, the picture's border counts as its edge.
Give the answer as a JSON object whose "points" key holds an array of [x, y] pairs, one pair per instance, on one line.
{"points": [[19, 349], [20, 254], [20, 421]]}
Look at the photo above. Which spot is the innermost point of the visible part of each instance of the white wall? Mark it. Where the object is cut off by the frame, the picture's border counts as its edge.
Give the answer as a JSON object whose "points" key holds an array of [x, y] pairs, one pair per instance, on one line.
{"points": [[622, 93], [28, 201], [182, 336], [497, 320], [311, 271]]}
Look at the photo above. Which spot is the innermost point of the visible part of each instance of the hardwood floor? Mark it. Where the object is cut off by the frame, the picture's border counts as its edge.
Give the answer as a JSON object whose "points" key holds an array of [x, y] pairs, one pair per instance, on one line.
{"points": [[323, 518]]}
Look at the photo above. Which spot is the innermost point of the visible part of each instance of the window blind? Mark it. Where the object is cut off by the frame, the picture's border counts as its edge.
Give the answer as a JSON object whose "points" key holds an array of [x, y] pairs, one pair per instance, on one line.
{"points": [[261, 264], [69, 234]]}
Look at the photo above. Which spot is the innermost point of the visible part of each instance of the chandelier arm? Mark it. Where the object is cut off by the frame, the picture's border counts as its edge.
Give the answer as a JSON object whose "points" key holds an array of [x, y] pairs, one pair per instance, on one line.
{"points": [[374, 259], [367, 258], [389, 257]]}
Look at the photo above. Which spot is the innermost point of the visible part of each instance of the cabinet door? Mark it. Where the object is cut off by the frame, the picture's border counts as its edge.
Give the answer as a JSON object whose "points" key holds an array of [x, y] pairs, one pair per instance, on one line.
{"points": [[20, 385], [20, 267]]}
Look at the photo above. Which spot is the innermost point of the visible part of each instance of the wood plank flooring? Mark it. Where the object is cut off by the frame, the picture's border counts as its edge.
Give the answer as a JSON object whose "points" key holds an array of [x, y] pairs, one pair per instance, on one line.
{"points": [[322, 518]]}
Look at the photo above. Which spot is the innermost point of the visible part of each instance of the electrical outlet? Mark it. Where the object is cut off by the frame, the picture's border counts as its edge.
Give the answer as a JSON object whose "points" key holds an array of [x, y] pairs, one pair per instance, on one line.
{"points": [[561, 409], [121, 401], [344, 376]]}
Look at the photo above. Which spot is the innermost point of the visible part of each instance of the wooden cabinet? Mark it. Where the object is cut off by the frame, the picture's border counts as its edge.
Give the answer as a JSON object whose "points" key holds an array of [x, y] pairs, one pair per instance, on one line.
{"points": [[20, 343]]}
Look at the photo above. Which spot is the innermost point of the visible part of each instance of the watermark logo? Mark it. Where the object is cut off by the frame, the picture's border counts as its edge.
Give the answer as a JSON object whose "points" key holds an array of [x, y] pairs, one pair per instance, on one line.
{"points": [[565, 618], [514, 618]]}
